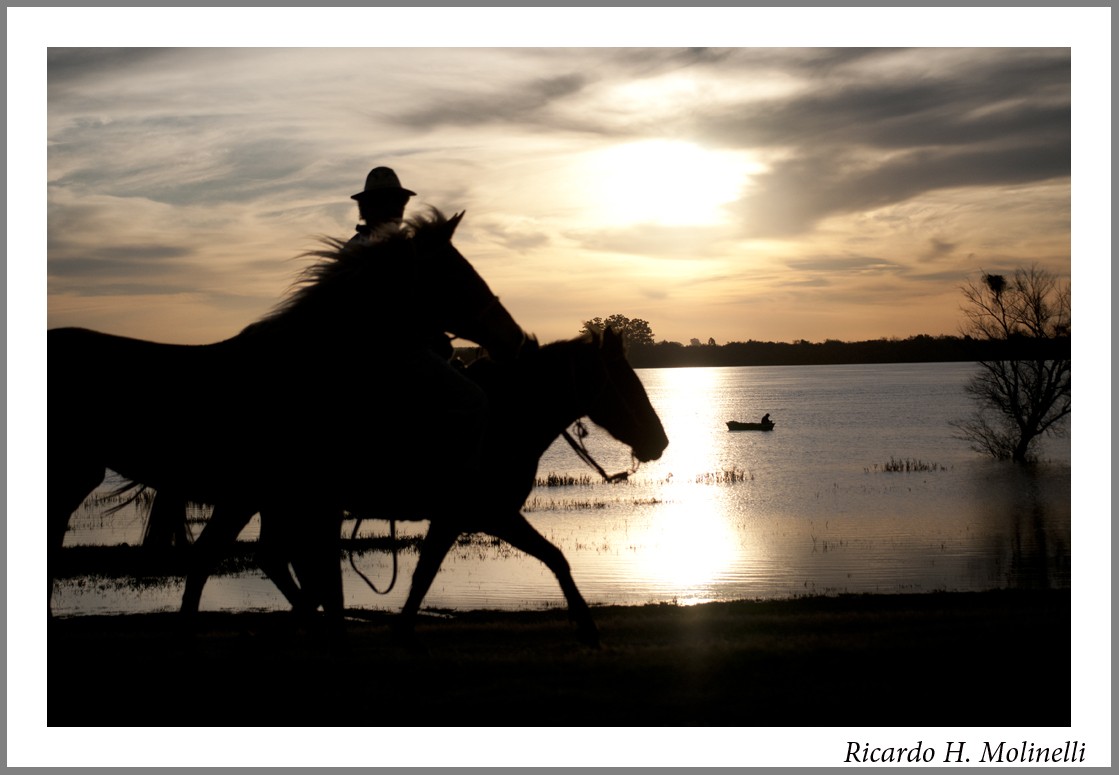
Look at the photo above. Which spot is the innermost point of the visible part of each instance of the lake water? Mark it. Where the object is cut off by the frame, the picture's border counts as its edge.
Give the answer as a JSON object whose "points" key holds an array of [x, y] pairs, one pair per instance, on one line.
{"points": [[805, 509]]}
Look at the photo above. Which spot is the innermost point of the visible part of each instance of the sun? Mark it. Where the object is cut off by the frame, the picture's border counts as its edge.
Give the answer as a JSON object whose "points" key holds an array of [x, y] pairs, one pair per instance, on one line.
{"points": [[667, 182]]}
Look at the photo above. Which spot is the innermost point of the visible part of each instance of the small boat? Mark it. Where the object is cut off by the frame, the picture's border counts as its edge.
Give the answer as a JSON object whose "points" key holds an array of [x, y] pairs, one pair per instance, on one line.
{"points": [[733, 425]]}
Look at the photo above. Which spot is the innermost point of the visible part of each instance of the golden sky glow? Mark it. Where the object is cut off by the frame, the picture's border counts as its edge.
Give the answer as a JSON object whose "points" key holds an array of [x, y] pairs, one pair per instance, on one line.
{"points": [[734, 193]]}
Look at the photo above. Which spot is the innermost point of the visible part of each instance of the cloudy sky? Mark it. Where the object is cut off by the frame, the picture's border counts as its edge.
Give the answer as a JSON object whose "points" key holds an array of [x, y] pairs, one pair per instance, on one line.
{"points": [[736, 193]]}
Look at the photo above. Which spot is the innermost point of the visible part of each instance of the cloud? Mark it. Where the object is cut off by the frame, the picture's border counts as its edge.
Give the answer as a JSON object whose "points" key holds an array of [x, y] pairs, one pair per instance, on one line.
{"points": [[108, 270], [898, 99], [205, 170], [797, 193], [519, 239], [873, 128], [653, 240], [200, 170], [108, 260], [939, 248], [521, 103], [845, 264], [68, 66]]}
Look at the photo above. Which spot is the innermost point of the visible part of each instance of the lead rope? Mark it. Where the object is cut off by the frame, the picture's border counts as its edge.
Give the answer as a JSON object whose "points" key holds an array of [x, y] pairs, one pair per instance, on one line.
{"points": [[584, 454], [392, 537]]}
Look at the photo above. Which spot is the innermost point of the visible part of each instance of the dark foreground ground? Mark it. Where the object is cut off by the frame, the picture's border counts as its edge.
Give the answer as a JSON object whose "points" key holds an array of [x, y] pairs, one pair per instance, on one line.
{"points": [[998, 658]]}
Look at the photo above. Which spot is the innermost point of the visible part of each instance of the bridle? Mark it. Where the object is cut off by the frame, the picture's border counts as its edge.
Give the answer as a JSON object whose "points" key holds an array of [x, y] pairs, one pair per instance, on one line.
{"points": [[578, 443]]}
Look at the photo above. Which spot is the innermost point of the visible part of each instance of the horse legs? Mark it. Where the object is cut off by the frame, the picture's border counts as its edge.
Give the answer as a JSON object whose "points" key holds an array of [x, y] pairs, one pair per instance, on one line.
{"points": [[313, 551], [315, 560], [167, 526], [276, 557], [222, 529], [438, 541], [518, 532]]}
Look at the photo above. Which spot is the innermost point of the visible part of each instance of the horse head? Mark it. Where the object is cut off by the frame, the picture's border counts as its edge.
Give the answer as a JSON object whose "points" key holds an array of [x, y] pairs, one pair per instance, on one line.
{"points": [[460, 301], [617, 401]]}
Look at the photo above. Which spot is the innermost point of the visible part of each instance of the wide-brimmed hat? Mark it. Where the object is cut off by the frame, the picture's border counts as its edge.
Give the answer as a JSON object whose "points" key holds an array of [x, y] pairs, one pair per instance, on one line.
{"points": [[381, 179]]}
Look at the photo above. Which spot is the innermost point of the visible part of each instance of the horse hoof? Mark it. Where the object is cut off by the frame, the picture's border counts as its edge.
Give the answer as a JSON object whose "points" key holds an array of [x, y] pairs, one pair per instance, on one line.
{"points": [[589, 637]]}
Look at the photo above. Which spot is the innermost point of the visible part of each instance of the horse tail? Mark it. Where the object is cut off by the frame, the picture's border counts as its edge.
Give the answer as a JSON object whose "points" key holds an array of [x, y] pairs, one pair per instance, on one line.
{"points": [[164, 526], [129, 494], [165, 516]]}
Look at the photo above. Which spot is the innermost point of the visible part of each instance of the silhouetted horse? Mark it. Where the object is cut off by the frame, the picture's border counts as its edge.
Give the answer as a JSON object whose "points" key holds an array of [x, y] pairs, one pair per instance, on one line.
{"points": [[291, 409], [534, 399]]}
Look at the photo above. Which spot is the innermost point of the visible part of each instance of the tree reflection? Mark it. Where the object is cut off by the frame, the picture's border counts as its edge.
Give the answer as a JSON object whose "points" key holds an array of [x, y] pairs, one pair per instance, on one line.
{"points": [[1031, 527]]}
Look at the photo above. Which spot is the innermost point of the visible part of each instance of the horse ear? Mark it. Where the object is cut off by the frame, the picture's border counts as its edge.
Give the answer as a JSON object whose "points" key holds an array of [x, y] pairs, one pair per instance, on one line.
{"points": [[452, 223], [611, 339]]}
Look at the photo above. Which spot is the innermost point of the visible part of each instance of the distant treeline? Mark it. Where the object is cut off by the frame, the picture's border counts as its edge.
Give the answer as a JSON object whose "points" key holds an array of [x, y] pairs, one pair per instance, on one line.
{"points": [[915, 349]]}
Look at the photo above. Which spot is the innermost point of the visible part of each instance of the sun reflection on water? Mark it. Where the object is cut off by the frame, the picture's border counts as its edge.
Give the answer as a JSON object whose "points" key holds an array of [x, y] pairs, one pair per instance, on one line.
{"points": [[689, 547], [688, 417]]}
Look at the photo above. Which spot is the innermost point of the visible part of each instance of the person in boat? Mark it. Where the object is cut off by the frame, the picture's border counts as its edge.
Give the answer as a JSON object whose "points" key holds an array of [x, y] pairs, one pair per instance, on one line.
{"points": [[765, 420]]}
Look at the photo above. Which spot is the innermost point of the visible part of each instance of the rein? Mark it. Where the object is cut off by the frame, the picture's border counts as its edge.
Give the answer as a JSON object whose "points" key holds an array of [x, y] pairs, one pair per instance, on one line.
{"points": [[584, 454], [478, 319], [392, 537]]}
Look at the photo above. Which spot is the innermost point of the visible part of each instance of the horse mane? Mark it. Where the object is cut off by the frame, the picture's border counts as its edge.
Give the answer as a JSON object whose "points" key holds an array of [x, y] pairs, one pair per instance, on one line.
{"points": [[342, 263]]}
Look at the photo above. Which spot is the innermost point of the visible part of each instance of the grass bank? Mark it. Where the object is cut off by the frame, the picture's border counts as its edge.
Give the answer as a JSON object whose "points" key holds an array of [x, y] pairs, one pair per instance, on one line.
{"points": [[970, 659]]}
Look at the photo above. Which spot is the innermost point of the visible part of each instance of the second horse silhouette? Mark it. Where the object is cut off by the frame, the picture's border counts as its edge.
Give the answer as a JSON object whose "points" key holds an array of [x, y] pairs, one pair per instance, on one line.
{"points": [[533, 400]]}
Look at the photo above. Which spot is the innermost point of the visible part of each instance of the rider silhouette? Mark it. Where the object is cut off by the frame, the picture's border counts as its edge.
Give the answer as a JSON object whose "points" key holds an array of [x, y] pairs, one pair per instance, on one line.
{"points": [[381, 203], [463, 405]]}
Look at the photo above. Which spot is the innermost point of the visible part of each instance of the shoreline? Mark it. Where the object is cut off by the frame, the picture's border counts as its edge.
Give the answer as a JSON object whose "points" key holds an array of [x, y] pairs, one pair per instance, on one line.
{"points": [[930, 659]]}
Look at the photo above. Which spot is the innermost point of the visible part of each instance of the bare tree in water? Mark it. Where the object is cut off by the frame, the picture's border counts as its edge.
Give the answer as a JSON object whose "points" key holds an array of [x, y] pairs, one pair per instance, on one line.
{"points": [[1026, 393]]}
